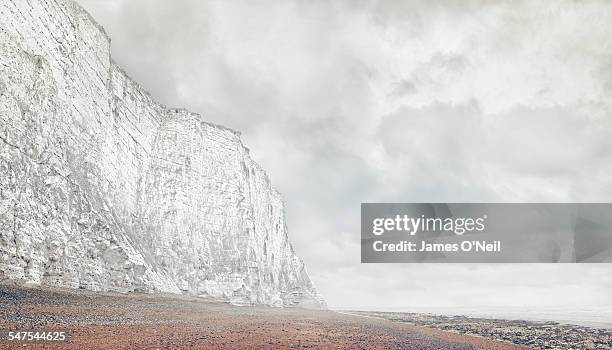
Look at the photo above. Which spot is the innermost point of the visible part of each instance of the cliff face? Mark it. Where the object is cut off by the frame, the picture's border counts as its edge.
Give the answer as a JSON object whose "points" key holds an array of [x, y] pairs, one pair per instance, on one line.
{"points": [[102, 188]]}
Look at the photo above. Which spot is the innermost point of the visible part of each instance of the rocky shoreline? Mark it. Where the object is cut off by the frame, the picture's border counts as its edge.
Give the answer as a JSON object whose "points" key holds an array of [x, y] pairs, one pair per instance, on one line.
{"points": [[538, 335]]}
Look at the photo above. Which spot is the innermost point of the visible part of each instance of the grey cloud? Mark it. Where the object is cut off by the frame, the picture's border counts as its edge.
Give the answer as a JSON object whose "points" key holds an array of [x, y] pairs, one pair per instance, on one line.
{"points": [[404, 87], [457, 146]]}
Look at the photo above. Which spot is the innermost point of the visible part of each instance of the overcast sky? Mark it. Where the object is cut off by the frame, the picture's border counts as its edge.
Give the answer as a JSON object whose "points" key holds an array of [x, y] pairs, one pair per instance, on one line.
{"points": [[396, 101]]}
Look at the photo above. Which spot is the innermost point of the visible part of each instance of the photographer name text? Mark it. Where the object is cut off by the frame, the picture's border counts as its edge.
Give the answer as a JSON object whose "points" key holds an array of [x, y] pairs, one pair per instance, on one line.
{"points": [[423, 246]]}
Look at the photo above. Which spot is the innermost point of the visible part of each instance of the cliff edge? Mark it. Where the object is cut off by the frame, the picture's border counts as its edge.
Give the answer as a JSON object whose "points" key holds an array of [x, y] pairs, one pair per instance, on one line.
{"points": [[104, 189]]}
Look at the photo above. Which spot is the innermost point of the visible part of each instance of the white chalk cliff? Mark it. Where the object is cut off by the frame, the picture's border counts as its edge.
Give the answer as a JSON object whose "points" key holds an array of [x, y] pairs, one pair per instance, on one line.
{"points": [[102, 188]]}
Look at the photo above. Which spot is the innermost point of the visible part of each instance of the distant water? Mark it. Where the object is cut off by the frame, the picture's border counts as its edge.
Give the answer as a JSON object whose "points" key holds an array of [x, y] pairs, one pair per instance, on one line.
{"points": [[587, 318]]}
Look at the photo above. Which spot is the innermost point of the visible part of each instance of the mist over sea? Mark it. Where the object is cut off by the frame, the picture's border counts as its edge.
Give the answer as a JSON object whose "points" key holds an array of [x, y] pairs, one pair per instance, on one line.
{"points": [[596, 318]]}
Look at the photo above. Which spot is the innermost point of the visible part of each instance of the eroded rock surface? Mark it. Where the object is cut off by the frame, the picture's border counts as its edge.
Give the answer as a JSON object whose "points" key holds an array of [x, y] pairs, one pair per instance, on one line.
{"points": [[103, 188]]}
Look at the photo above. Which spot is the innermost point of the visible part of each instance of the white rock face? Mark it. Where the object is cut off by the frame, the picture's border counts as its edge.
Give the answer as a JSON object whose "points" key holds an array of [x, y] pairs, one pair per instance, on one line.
{"points": [[102, 188]]}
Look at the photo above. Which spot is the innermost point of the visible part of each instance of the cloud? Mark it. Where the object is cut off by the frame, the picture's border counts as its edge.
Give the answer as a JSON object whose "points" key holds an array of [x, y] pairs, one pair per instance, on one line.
{"points": [[351, 101], [525, 154]]}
